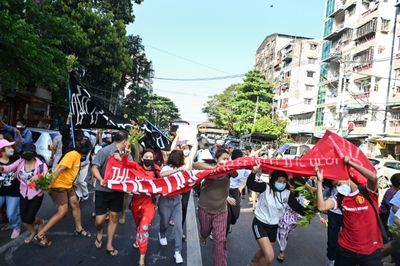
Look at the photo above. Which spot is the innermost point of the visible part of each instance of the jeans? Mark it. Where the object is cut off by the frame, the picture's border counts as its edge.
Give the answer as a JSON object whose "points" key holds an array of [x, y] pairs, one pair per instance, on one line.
{"points": [[170, 208], [80, 182], [13, 216]]}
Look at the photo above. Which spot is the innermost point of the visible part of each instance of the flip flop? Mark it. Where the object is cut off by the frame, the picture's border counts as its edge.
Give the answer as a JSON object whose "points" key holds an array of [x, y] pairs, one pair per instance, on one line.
{"points": [[112, 252], [98, 243]]}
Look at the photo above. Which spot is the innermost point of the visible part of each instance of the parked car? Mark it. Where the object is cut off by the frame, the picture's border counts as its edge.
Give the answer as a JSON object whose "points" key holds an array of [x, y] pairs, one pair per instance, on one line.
{"points": [[293, 150], [43, 139], [385, 168]]}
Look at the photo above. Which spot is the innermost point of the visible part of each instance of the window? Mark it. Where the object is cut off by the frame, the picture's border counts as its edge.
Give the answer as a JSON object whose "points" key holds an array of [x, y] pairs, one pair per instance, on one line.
{"points": [[385, 25], [397, 73], [319, 118], [307, 101], [367, 28], [312, 60], [309, 87], [392, 165], [310, 74], [313, 46]]}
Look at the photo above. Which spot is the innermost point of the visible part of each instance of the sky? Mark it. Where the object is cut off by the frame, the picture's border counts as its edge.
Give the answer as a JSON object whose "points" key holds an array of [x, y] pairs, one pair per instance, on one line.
{"points": [[213, 38]]}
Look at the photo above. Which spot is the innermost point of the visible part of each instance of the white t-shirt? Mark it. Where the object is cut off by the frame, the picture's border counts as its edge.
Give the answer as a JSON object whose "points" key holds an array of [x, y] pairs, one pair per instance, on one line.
{"points": [[166, 168], [269, 208], [236, 182]]}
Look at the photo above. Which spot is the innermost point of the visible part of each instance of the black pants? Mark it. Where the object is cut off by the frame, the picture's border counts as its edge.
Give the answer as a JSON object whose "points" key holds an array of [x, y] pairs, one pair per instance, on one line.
{"points": [[347, 258], [334, 224], [185, 202], [29, 208], [233, 211]]}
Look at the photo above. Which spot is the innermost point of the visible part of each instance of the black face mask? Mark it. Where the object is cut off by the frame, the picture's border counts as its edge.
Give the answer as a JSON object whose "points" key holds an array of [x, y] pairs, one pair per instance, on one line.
{"points": [[28, 156], [148, 162]]}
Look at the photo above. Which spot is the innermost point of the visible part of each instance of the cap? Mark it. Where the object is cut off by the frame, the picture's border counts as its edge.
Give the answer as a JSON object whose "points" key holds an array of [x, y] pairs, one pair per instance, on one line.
{"points": [[5, 143]]}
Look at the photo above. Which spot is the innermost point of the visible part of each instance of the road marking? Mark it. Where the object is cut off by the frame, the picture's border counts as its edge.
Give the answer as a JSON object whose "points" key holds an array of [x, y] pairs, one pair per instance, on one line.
{"points": [[192, 236]]}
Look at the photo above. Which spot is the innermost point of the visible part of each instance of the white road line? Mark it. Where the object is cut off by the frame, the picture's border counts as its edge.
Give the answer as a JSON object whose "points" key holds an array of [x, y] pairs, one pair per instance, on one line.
{"points": [[192, 236]]}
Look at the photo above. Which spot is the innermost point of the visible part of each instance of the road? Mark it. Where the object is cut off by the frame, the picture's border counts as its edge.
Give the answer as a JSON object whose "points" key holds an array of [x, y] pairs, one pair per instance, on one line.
{"points": [[306, 245]]}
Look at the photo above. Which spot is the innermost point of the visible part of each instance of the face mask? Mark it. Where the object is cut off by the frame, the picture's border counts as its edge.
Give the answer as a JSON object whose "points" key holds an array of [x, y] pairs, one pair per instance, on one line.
{"points": [[10, 152], [148, 162], [280, 186], [28, 156], [344, 189], [186, 152]]}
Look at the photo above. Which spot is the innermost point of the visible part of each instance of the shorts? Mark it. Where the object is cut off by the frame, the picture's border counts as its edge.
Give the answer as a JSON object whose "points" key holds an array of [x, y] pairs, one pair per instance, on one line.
{"points": [[261, 230], [61, 196], [108, 201]]}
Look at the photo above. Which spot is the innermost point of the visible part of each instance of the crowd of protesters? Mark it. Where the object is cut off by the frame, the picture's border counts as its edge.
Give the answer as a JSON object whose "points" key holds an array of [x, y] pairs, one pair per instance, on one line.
{"points": [[352, 209]]}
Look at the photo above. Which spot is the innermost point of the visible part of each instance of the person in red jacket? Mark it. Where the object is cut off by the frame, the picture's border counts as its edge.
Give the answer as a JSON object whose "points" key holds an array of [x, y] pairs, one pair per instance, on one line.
{"points": [[142, 206]]}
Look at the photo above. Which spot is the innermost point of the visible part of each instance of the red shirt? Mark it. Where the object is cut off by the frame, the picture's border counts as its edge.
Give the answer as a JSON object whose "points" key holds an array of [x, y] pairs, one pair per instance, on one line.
{"points": [[360, 231]]}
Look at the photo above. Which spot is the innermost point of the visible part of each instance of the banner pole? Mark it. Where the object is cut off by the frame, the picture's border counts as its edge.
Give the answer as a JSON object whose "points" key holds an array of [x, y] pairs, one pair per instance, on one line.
{"points": [[157, 128], [71, 122]]}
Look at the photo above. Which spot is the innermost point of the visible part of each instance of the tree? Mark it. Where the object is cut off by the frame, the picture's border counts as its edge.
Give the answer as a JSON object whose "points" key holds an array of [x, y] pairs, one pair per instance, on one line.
{"points": [[234, 109], [275, 126], [161, 110]]}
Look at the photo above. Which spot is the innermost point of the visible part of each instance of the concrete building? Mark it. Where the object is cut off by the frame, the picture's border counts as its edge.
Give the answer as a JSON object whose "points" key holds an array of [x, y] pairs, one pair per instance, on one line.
{"points": [[355, 67], [291, 63]]}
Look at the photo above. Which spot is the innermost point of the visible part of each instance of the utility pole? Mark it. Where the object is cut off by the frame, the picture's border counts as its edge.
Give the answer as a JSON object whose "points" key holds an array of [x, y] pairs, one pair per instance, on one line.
{"points": [[255, 114], [390, 66]]}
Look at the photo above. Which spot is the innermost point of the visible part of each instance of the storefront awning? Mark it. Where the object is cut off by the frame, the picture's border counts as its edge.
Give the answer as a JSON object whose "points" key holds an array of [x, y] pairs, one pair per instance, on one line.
{"points": [[389, 139]]}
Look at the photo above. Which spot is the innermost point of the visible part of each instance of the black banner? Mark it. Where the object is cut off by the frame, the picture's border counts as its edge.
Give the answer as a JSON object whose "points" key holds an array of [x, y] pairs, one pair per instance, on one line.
{"points": [[154, 138], [88, 114]]}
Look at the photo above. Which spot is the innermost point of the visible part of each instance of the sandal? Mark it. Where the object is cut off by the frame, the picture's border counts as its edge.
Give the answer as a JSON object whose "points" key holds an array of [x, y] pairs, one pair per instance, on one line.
{"points": [[280, 258], [135, 245], [112, 252], [83, 233], [98, 243], [42, 241], [29, 239]]}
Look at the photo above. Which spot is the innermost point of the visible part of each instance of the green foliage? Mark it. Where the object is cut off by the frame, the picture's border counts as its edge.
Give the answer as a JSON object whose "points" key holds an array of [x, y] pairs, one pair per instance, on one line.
{"points": [[394, 230], [311, 209], [161, 110], [234, 108], [135, 135]]}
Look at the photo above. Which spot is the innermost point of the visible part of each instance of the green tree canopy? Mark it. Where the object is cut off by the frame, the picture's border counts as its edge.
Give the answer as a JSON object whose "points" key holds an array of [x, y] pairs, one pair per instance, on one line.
{"points": [[161, 110], [235, 107]]}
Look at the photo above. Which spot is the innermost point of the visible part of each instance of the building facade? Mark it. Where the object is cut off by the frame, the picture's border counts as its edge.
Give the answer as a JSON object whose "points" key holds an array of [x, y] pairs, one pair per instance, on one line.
{"points": [[355, 69], [291, 64]]}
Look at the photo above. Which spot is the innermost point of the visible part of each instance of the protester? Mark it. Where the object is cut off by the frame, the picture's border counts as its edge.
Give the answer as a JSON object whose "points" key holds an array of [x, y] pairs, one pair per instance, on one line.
{"points": [[142, 206], [187, 151], [9, 188], [272, 202], [27, 169], [20, 133], [360, 238], [395, 200], [81, 187], [63, 193], [236, 185], [56, 151], [335, 221], [384, 209], [212, 210], [170, 207], [107, 200]]}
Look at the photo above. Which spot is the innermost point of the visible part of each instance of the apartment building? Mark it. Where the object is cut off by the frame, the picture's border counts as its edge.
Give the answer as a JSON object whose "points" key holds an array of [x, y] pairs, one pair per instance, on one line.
{"points": [[291, 64], [355, 67]]}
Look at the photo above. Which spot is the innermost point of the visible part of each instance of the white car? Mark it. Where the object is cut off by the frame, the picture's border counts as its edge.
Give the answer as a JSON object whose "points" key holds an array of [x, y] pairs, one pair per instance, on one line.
{"points": [[293, 150], [385, 168], [43, 139]]}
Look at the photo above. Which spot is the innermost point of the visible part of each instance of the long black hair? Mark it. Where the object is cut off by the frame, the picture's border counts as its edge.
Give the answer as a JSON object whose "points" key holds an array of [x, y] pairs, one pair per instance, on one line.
{"points": [[274, 177]]}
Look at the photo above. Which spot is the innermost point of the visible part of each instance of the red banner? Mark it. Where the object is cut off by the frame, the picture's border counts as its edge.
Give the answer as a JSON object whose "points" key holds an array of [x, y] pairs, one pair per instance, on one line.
{"points": [[328, 154]]}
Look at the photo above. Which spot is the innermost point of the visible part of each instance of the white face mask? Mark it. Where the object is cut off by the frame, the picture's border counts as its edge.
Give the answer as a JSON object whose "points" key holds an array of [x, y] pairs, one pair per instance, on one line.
{"points": [[344, 189], [186, 152], [9, 152]]}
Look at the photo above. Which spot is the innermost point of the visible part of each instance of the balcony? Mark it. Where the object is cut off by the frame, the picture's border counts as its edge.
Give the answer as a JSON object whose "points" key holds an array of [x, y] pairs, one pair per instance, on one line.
{"points": [[340, 8], [361, 96], [339, 30], [334, 55]]}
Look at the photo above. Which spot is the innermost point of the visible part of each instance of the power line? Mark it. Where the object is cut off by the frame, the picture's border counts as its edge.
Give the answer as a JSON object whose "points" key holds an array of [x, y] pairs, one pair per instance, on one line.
{"points": [[201, 79], [187, 59]]}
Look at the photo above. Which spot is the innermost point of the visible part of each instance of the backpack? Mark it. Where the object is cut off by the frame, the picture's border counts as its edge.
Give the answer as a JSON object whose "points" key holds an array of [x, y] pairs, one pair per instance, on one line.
{"points": [[365, 194]]}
